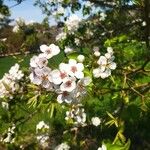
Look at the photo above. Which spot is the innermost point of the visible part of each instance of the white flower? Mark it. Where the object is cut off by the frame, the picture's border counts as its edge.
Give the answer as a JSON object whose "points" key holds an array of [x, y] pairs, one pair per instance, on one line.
{"points": [[68, 49], [68, 84], [61, 36], [58, 76], [43, 140], [65, 97], [50, 50], [102, 16], [77, 41], [110, 50], [80, 58], [144, 23], [96, 121], [106, 64], [103, 147], [38, 61], [75, 69], [88, 4], [5, 105], [16, 28], [96, 72], [15, 73], [72, 23], [63, 146], [41, 125]]}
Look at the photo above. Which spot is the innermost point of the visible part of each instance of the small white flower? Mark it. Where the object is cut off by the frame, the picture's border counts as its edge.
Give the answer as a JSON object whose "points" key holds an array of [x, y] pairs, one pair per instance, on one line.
{"points": [[144, 23], [63, 146], [103, 147], [41, 125], [80, 58], [102, 16], [61, 36], [50, 50], [77, 41], [5, 105], [68, 50], [96, 121], [72, 23], [16, 29]]}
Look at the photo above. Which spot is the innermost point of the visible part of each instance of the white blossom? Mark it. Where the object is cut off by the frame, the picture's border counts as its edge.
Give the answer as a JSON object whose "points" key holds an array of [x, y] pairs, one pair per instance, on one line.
{"points": [[96, 121], [68, 84], [61, 36], [72, 23], [50, 50], [41, 125], [103, 16], [63, 146], [75, 69], [68, 49], [103, 147]]}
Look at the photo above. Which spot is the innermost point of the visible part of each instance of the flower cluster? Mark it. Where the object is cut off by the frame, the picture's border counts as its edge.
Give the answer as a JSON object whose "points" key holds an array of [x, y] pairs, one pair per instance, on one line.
{"points": [[41, 73], [106, 64], [9, 135], [72, 23], [76, 115], [68, 81], [42, 130], [9, 83]]}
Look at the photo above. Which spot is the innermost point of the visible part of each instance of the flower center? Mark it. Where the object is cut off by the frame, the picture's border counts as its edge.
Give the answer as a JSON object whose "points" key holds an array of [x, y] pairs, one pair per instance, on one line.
{"points": [[68, 83], [62, 75], [73, 69]]}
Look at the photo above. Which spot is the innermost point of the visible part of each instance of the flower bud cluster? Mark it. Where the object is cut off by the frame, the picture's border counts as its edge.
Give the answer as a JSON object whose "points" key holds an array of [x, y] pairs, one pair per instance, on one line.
{"points": [[9, 84]]}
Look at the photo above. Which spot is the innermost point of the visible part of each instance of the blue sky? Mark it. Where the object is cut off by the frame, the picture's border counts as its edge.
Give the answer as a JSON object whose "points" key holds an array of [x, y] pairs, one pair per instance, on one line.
{"points": [[25, 10]]}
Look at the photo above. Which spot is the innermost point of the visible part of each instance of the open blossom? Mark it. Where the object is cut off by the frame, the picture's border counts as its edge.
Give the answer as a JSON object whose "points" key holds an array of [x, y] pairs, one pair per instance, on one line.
{"points": [[68, 84], [103, 16], [15, 73], [50, 51], [75, 69], [41, 76], [63, 146], [72, 23], [38, 61], [106, 64]]}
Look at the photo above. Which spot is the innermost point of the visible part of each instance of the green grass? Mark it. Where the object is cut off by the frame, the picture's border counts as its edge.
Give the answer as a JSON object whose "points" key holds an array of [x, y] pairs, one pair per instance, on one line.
{"points": [[7, 62]]}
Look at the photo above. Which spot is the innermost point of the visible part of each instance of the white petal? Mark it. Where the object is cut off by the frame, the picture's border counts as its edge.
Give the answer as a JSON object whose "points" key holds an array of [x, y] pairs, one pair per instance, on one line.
{"points": [[112, 66], [43, 48], [80, 66], [72, 61], [96, 72], [79, 75], [102, 60]]}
